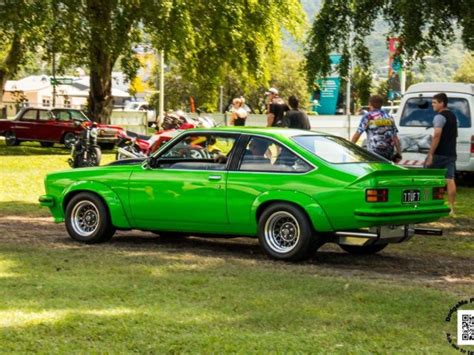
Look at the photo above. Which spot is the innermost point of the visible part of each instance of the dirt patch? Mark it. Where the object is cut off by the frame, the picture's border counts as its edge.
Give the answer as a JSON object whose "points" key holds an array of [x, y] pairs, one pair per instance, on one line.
{"points": [[394, 263]]}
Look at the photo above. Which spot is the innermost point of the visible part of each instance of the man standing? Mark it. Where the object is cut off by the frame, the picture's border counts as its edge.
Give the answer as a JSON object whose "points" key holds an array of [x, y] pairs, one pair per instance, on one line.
{"points": [[296, 118], [442, 153], [381, 130], [276, 109]]}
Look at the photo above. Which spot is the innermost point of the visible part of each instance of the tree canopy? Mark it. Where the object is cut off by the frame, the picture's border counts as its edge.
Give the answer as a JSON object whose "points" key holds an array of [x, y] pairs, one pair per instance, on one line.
{"points": [[207, 38], [423, 27]]}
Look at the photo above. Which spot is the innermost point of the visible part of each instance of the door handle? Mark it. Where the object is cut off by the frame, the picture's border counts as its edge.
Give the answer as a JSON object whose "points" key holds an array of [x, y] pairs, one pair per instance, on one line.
{"points": [[214, 177]]}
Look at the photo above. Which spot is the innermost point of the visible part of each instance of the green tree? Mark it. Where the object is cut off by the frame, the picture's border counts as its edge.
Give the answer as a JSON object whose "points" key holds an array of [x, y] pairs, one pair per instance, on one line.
{"points": [[205, 36], [423, 26], [23, 26], [465, 73]]}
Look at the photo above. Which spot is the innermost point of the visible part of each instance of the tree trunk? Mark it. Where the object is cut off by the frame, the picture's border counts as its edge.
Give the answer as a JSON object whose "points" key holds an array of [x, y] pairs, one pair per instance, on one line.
{"points": [[100, 93], [11, 62]]}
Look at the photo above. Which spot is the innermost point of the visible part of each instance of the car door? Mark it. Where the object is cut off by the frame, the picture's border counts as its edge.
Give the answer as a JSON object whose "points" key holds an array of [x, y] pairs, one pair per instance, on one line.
{"points": [[45, 126], [26, 126], [185, 186]]}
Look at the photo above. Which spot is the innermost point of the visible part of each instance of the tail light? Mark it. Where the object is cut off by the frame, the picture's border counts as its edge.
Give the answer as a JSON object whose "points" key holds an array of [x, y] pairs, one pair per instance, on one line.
{"points": [[472, 144], [376, 195], [438, 193]]}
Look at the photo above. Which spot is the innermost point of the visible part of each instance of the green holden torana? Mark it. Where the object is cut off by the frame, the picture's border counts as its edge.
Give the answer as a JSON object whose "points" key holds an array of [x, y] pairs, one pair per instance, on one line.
{"points": [[294, 190]]}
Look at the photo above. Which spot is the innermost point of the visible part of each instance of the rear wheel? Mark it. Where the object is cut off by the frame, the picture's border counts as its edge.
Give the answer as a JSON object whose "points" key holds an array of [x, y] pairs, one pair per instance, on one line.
{"points": [[363, 249], [285, 233], [47, 144], [88, 220], [10, 139], [69, 139]]}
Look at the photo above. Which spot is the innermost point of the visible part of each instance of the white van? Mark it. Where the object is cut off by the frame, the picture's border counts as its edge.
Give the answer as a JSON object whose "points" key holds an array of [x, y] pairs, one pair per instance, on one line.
{"points": [[415, 122]]}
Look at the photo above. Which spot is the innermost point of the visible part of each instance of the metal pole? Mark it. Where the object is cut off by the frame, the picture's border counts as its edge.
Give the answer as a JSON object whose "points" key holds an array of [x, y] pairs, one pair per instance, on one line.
{"points": [[348, 88], [162, 85], [54, 79], [221, 103], [403, 81]]}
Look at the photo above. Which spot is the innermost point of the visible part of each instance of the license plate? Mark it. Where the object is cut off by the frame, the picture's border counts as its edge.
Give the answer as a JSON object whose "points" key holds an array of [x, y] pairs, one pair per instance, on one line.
{"points": [[411, 196]]}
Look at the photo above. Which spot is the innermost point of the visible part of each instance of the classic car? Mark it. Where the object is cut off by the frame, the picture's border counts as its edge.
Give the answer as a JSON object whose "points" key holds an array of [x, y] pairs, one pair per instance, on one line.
{"points": [[49, 126], [294, 190]]}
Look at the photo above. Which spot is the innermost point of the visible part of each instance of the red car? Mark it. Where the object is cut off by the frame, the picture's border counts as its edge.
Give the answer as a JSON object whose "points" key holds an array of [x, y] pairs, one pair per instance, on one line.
{"points": [[49, 126]]}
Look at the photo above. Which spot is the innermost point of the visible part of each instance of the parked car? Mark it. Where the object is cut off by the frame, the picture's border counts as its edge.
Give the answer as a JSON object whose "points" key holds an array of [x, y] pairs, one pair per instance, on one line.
{"points": [[295, 190], [49, 126], [415, 122], [142, 106]]}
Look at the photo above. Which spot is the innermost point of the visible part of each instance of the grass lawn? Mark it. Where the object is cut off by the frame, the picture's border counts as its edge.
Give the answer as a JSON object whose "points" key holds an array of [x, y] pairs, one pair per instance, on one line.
{"points": [[139, 293]]}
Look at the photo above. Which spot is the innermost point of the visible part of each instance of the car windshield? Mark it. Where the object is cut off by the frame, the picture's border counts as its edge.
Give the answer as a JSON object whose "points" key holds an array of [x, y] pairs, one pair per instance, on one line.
{"points": [[67, 115], [336, 150], [418, 112]]}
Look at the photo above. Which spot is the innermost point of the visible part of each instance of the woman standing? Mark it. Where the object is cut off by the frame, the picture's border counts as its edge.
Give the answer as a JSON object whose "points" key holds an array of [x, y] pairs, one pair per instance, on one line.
{"points": [[239, 114]]}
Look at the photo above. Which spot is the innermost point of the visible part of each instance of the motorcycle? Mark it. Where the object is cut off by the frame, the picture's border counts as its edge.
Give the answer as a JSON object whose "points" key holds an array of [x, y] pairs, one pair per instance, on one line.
{"points": [[86, 152], [133, 145]]}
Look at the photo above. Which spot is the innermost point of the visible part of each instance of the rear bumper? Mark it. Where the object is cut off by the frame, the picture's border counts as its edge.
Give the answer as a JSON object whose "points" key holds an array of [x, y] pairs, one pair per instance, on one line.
{"points": [[384, 216], [382, 235]]}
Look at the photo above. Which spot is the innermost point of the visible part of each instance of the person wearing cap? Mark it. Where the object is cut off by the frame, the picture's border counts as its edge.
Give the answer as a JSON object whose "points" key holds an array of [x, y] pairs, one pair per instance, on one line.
{"points": [[276, 109]]}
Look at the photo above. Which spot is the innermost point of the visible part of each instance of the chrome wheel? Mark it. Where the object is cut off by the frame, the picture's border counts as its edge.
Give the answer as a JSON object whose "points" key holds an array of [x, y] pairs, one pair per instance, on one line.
{"points": [[282, 232], [85, 218]]}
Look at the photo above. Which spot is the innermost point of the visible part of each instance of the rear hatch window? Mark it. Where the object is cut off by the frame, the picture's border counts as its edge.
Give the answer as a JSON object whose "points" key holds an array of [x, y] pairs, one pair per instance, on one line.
{"points": [[418, 112]]}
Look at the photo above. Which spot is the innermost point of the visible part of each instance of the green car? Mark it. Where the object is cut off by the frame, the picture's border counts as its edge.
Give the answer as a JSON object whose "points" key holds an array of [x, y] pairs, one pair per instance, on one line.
{"points": [[294, 190]]}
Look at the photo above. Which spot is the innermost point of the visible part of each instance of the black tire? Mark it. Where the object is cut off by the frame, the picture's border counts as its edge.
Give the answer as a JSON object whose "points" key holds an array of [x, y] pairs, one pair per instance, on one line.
{"points": [[96, 156], [69, 139], [87, 204], [10, 139], [299, 234], [46, 144], [107, 146], [363, 249]]}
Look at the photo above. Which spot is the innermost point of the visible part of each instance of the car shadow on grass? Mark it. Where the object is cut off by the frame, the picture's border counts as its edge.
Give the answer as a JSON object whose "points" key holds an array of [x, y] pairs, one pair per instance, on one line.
{"points": [[35, 148]]}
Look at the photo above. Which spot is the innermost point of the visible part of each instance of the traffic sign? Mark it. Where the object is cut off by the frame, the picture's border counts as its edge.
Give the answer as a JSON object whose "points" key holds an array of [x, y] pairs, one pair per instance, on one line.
{"points": [[61, 81]]}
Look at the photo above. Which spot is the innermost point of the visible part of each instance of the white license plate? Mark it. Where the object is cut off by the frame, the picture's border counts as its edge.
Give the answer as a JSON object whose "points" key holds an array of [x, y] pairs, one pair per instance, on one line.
{"points": [[410, 196]]}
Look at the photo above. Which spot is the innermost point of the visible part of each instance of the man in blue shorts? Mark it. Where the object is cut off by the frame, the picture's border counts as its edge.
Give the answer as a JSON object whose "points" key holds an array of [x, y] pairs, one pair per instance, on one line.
{"points": [[442, 153]]}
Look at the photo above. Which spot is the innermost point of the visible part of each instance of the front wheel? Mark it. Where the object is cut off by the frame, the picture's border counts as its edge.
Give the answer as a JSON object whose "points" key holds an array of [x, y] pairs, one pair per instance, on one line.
{"points": [[363, 249], [10, 139], [88, 220], [69, 140], [285, 233]]}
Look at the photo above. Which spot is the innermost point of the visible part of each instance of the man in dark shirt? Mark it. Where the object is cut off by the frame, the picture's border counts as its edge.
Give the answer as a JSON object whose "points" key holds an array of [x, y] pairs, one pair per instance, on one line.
{"points": [[442, 153], [296, 118], [276, 109]]}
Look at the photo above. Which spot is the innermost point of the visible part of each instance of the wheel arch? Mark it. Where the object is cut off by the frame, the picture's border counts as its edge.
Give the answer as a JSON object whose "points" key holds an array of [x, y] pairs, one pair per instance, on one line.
{"points": [[315, 213], [111, 201]]}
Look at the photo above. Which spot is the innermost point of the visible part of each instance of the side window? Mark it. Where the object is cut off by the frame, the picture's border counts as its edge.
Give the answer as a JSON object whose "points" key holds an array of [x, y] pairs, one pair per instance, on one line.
{"points": [[44, 115], [265, 155], [29, 115], [198, 152], [62, 115]]}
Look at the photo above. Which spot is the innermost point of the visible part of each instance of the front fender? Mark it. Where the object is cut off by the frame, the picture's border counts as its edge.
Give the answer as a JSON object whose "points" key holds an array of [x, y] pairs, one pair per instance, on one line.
{"points": [[312, 208], [114, 204]]}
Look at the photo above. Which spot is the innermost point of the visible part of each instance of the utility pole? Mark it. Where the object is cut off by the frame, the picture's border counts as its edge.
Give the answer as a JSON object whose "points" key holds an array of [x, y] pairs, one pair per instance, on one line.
{"points": [[348, 87], [162, 85], [54, 77]]}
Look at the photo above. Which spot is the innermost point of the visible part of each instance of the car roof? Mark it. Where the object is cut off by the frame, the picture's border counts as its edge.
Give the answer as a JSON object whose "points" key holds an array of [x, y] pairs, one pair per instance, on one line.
{"points": [[267, 131], [441, 87]]}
